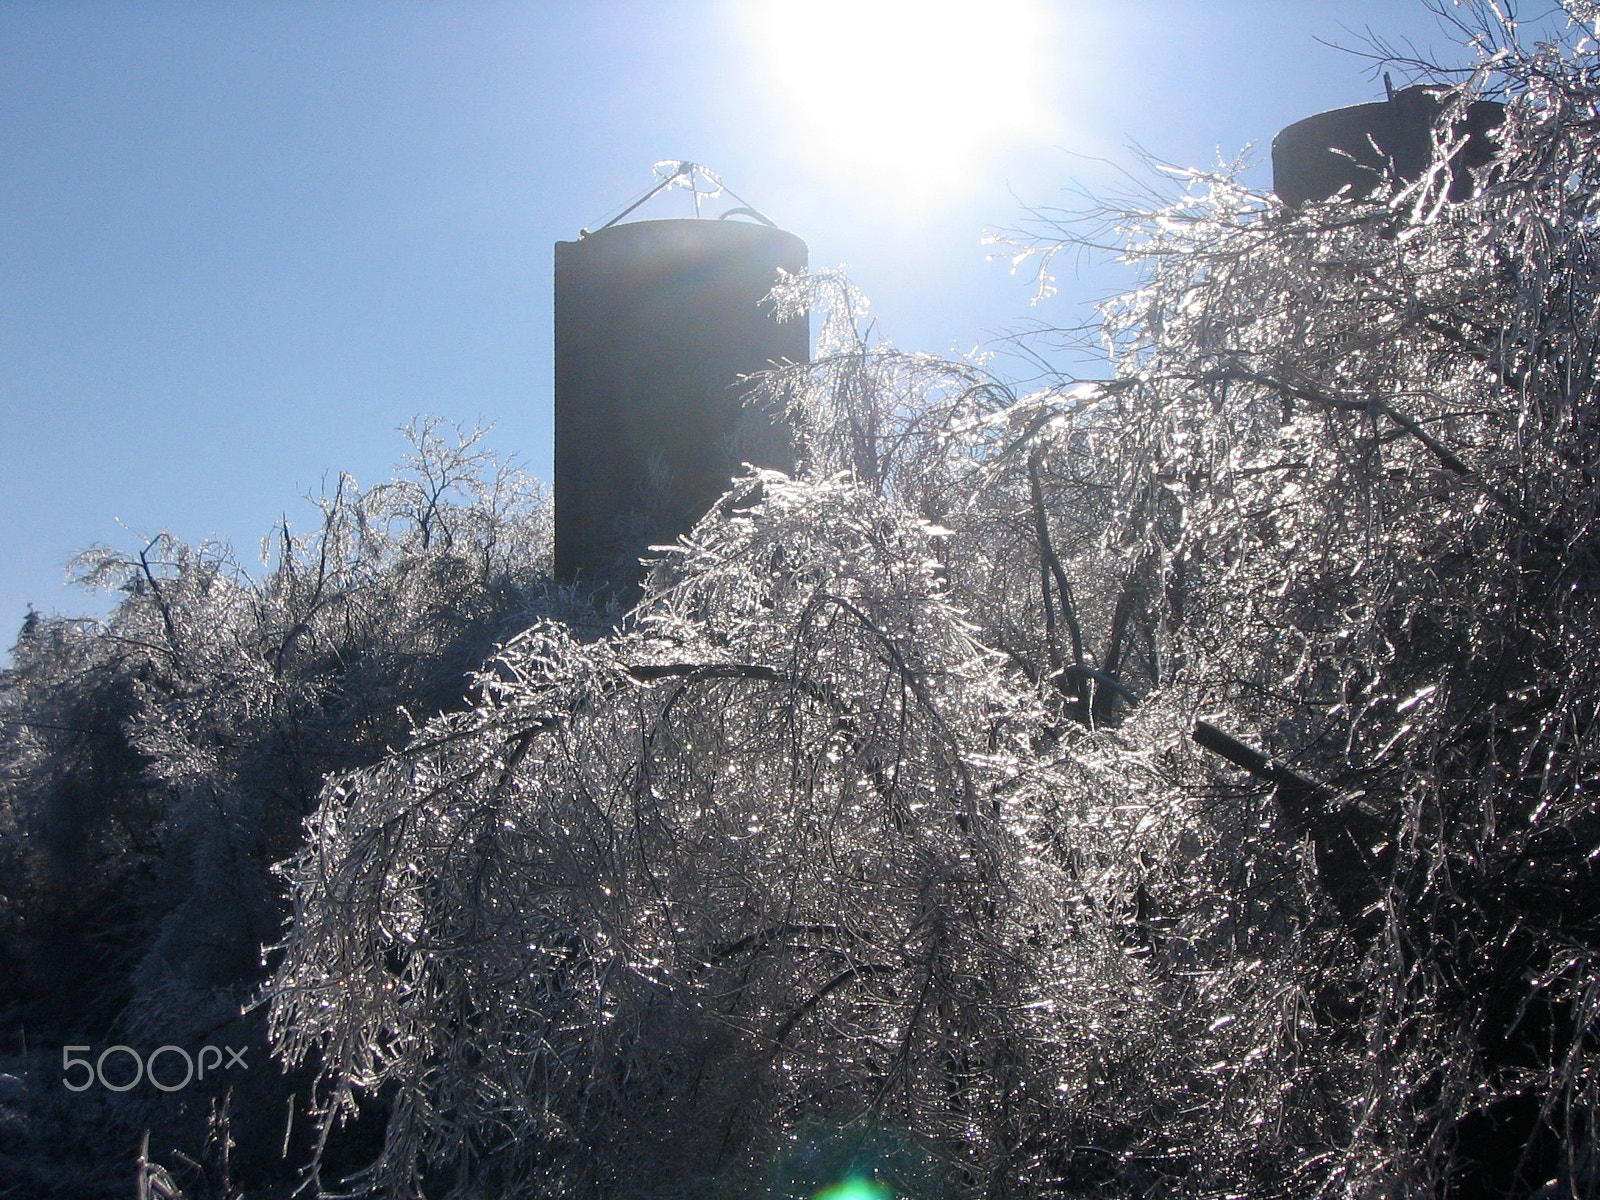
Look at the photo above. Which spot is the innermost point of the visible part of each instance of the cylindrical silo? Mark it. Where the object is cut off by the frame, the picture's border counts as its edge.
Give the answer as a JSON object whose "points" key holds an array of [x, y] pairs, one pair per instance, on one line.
{"points": [[1361, 146], [655, 323]]}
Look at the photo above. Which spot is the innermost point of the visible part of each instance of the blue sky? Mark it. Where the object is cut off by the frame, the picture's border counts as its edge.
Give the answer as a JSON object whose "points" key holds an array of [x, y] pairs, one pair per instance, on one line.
{"points": [[241, 242]]}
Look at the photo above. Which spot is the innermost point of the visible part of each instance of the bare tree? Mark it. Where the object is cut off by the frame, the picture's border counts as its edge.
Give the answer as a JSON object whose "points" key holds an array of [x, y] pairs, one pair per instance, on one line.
{"points": [[153, 767], [1174, 783], [883, 814]]}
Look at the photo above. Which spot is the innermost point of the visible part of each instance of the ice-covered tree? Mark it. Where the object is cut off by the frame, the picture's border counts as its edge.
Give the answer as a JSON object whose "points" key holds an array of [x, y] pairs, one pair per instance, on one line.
{"points": [[155, 765], [877, 840]]}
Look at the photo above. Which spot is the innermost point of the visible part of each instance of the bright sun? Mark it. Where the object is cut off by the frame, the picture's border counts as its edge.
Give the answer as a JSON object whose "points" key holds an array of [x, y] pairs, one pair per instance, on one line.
{"points": [[909, 98]]}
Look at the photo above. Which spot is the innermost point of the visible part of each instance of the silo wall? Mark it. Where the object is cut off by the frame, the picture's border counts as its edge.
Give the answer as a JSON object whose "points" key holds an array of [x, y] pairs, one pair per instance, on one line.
{"points": [[655, 322], [1360, 146]]}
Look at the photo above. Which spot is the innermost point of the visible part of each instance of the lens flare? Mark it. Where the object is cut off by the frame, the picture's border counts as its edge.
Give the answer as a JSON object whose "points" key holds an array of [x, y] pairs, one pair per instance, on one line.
{"points": [[857, 1187]]}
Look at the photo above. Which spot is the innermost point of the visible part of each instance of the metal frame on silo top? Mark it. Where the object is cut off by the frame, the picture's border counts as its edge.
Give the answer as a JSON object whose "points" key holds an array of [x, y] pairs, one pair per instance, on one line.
{"points": [[655, 323]]}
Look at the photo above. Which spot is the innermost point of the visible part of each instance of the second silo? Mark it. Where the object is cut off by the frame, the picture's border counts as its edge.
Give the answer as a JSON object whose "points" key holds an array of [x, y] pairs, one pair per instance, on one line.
{"points": [[655, 323]]}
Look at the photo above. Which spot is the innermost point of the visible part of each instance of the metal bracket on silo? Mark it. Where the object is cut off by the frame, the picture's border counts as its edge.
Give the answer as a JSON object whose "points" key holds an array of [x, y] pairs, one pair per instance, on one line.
{"points": [[656, 321], [1361, 147]]}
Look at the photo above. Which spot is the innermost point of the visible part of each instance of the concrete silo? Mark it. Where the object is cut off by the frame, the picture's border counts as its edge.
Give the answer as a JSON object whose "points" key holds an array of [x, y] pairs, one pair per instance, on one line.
{"points": [[655, 323], [1362, 146]]}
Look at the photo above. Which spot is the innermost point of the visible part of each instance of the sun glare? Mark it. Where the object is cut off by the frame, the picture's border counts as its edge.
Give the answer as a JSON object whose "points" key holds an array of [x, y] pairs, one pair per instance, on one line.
{"points": [[911, 98]]}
